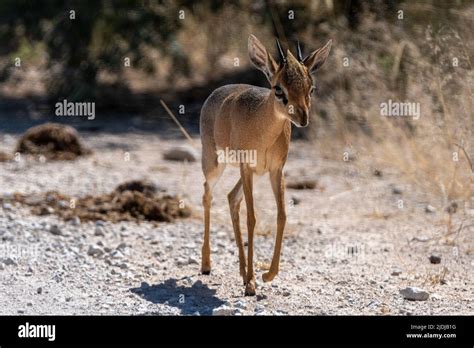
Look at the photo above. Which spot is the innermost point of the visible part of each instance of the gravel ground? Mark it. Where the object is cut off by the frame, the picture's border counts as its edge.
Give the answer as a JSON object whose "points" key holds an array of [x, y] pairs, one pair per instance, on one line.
{"points": [[349, 249]]}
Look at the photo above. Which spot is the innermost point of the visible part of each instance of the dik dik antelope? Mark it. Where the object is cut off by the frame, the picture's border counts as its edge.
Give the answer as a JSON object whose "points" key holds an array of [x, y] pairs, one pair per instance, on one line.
{"points": [[245, 117]]}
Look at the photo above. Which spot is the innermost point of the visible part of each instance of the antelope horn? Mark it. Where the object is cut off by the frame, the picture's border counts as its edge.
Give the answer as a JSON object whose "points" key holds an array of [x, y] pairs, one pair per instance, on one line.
{"points": [[298, 51], [280, 51]]}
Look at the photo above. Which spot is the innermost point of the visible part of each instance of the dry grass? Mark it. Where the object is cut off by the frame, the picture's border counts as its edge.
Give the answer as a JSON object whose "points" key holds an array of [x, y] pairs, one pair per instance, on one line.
{"points": [[431, 152]]}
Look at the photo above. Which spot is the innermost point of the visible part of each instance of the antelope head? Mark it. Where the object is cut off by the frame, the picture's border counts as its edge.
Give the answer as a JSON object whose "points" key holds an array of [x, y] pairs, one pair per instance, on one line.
{"points": [[291, 78]]}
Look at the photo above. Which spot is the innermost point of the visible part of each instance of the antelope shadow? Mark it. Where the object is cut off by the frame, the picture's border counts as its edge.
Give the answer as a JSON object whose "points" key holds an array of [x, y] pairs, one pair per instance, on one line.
{"points": [[197, 297]]}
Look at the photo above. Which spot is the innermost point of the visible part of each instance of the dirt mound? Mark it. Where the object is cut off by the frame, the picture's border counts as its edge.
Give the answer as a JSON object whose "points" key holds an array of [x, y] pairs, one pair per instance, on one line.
{"points": [[130, 201], [52, 140]]}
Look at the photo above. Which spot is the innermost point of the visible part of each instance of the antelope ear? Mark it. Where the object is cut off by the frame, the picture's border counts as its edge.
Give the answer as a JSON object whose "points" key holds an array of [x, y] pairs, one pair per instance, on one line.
{"points": [[317, 58], [260, 57]]}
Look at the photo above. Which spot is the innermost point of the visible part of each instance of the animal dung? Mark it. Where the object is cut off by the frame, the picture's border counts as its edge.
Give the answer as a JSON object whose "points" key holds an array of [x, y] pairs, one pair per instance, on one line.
{"points": [[306, 184], [54, 141], [130, 201]]}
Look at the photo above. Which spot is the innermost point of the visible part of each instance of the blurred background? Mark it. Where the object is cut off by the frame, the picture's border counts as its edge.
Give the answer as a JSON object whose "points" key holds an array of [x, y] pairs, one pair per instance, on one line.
{"points": [[127, 55]]}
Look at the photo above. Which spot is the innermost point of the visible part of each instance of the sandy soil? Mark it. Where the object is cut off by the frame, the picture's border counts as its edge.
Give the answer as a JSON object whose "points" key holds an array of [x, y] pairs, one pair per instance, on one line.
{"points": [[349, 248]]}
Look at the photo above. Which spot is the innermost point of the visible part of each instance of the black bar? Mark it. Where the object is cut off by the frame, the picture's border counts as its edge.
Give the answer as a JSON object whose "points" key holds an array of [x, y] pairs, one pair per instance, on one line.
{"points": [[140, 330]]}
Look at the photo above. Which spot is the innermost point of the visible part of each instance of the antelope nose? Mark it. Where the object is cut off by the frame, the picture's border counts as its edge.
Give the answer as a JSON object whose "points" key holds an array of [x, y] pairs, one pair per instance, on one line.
{"points": [[304, 118]]}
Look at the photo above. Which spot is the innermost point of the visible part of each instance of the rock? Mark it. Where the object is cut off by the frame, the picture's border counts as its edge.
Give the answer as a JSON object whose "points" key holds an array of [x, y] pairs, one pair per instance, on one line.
{"points": [[435, 259], [295, 200], [9, 261], [397, 190], [75, 221], [414, 294], [378, 172], [21, 311], [54, 229], [430, 209], [396, 272], [121, 246], [180, 154], [95, 251], [182, 261], [29, 304], [39, 291], [116, 254], [240, 304], [225, 309], [192, 260], [152, 271], [452, 208], [7, 206], [99, 231], [259, 308]]}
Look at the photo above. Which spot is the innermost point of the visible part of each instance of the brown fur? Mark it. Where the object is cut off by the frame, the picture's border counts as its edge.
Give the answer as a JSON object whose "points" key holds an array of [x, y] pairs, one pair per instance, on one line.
{"points": [[245, 117]]}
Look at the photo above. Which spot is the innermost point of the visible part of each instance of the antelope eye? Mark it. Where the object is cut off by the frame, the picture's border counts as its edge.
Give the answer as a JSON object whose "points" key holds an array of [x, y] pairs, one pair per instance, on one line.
{"points": [[313, 89], [278, 91]]}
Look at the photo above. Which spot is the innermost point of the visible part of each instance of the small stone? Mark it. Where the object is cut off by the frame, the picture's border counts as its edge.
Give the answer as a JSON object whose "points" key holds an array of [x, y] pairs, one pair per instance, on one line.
{"points": [[396, 272], [29, 304], [121, 246], [116, 254], [240, 304], [9, 261], [75, 221], [39, 291], [95, 251], [452, 208], [54, 229], [295, 200], [414, 294], [435, 259], [152, 271], [192, 260], [179, 154], [99, 231], [7, 206], [21, 311], [430, 209], [397, 190], [224, 310]]}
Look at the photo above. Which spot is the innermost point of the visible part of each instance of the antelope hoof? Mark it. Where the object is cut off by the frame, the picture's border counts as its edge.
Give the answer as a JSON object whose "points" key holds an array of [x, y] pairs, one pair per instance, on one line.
{"points": [[206, 268], [250, 288], [268, 277]]}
